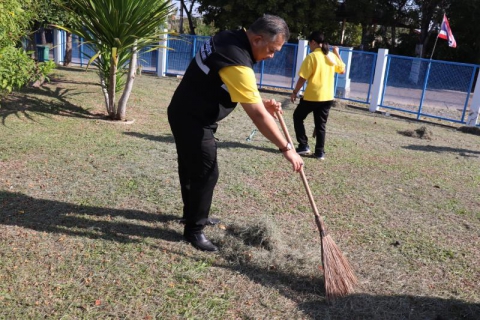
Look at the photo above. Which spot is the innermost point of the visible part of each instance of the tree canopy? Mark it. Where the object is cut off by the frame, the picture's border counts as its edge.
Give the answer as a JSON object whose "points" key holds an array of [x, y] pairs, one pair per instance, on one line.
{"points": [[399, 25], [302, 16], [462, 15], [16, 17]]}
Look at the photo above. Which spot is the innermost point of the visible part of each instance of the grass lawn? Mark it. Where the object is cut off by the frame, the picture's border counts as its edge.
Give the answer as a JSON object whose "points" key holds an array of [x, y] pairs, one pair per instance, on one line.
{"points": [[89, 214]]}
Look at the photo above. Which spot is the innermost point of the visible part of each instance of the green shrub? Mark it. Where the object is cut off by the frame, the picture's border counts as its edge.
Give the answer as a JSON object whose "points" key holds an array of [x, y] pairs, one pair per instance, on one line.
{"points": [[17, 69]]}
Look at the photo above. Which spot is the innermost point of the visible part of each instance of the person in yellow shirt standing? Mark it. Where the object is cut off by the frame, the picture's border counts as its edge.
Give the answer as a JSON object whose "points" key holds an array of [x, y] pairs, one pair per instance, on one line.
{"points": [[318, 70]]}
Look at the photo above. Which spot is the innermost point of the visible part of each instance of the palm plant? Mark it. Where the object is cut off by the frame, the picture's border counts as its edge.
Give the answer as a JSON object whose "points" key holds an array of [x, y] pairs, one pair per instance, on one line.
{"points": [[117, 30]]}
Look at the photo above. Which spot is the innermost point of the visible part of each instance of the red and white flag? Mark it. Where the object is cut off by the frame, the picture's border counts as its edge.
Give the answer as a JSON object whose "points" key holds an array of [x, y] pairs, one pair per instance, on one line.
{"points": [[446, 33]]}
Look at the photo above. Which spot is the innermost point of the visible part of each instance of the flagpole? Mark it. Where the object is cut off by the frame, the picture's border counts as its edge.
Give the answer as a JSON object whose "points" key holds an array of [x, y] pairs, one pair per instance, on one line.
{"points": [[434, 46], [436, 39]]}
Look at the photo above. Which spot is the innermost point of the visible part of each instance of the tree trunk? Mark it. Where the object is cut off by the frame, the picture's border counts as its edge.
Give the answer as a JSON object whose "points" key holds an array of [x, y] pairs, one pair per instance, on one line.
{"points": [[31, 45], [365, 43], [122, 104], [68, 50], [180, 28], [112, 83], [189, 16], [190, 23], [42, 35], [104, 90]]}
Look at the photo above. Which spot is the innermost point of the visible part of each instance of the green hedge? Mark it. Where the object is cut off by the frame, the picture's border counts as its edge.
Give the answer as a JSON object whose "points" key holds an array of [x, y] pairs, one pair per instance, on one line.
{"points": [[17, 69]]}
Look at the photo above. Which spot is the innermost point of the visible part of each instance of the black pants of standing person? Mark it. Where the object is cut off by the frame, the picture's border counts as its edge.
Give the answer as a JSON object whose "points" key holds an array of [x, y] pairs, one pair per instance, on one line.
{"points": [[197, 169], [320, 111]]}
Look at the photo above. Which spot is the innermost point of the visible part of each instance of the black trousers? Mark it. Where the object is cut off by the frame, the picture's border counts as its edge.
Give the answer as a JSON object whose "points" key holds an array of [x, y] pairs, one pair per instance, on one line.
{"points": [[197, 168], [320, 111]]}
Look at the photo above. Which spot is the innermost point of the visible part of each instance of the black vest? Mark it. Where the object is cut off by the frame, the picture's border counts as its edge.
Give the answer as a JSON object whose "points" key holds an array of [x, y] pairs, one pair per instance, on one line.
{"points": [[201, 94]]}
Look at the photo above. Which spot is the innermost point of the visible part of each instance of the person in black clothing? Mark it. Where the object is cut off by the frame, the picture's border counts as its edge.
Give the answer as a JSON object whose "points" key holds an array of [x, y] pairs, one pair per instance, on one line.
{"points": [[220, 76]]}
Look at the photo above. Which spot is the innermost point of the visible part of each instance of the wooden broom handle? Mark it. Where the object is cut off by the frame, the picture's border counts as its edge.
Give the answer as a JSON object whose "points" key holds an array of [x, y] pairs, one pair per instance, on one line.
{"points": [[318, 219]]}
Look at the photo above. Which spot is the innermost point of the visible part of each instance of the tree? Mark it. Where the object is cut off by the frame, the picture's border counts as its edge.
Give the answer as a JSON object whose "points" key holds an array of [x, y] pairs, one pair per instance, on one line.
{"points": [[397, 14], [379, 19], [203, 29], [365, 13], [302, 16], [15, 20], [430, 11], [117, 30], [189, 12]]}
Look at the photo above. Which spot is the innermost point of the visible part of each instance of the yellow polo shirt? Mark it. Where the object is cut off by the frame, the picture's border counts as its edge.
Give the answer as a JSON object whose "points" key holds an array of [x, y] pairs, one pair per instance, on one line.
{"points": [[241, 84], [319, 72]]}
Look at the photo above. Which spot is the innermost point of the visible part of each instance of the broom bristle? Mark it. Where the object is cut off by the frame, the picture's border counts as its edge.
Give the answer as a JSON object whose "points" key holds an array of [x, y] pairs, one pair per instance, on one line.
{"points": [[340, 280]]}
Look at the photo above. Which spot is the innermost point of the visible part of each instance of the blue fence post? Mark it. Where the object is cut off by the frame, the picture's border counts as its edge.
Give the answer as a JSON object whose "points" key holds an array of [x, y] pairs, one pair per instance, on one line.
{"points": [[80, 52], [168, 55], [261, 73], [370, 82], [194, 46], [425, 83], [294, 69], [385, 81]]}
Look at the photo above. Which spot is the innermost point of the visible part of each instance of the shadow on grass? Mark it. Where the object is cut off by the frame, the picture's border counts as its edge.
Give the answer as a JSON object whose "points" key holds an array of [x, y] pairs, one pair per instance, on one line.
{"points": [[307, 290], [79, 220], [309, 295], [151, 137], [461, 152], [74, 68], [220, 144], [114, 225], [362, 306], [28, 104]]}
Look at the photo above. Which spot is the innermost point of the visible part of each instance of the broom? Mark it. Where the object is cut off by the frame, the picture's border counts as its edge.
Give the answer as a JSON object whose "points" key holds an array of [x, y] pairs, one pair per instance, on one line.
{"points": [[339, 277]]}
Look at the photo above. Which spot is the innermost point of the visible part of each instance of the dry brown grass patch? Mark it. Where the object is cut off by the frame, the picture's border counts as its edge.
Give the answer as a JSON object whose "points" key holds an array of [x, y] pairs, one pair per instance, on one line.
{"points": [[422, 133]]}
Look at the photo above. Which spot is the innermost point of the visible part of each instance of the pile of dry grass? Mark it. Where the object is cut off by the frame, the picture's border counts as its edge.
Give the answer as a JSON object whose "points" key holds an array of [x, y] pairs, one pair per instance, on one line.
{"points": [[260, 243], [422, 133], [469, 129], [241, 240]]}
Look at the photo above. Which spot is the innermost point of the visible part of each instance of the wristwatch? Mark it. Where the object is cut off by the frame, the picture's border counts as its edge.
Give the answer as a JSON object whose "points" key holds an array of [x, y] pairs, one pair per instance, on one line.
{"points": [[286, 148]]}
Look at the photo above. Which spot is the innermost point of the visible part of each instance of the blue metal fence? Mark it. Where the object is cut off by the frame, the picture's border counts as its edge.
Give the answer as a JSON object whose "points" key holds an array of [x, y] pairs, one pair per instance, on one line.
{"points": [[181, 51], [430, 88], [362, 70], [148, 59], [278, 72], [81, 52], [426, 88]]}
